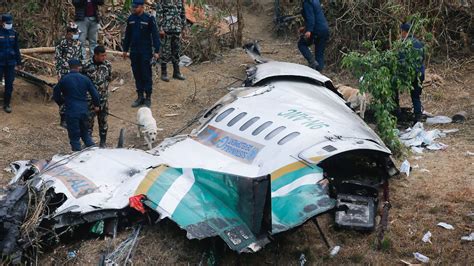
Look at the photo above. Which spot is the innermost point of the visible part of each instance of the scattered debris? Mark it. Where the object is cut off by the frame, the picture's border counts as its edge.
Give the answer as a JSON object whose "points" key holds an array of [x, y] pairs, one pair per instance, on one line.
{"points": [[438, 120], [185, 61], [6, 129], [446, 225], [427, 237], [460, 117], [468, 238], [408, 263], [121, 82], [418, 138], [436, 146], [418, 150], [171, 115], [469, 153], [98, 228], [447, 131], [123, 254], [334, 251], [114, 89], [421, 257], [302, 259], [424, 170], [72, 254], [405, 168]]}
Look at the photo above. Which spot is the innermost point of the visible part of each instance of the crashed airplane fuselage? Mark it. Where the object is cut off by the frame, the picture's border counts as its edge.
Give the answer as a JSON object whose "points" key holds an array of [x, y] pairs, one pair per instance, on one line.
{"points": [[253, 168]]}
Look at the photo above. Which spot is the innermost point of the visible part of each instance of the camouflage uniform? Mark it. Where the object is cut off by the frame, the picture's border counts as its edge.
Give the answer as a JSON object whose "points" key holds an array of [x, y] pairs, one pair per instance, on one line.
{"points": [[101, 75], [171, 18], [65, 51]]}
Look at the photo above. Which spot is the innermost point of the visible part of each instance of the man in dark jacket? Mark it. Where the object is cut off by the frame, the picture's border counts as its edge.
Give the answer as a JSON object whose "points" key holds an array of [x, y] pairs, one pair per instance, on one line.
{"points": [[87, 19], [10, 58], [143, 41], [72, 91], [415, 93], [315, 31]]}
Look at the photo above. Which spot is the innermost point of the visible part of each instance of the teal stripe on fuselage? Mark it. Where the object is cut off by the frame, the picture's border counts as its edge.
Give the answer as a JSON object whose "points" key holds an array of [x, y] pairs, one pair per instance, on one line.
{"points": [[298, 206], [292, 176], [161, 185]]}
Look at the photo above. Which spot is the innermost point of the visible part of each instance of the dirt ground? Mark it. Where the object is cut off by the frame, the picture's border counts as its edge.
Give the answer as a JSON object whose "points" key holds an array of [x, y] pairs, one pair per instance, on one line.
{"points": [[420, 201]]}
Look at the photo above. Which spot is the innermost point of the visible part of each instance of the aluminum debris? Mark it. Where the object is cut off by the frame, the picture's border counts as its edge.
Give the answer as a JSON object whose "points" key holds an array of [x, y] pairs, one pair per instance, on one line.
{"points": [[263, 160], [417, 138], [446, 226]]}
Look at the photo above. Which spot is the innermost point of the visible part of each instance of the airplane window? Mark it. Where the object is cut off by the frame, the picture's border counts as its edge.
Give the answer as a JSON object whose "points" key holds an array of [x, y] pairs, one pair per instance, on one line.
{"points": [[262, 128], [236, 119], [275, 132], [249, 123], [288, 138], [224, 114]]}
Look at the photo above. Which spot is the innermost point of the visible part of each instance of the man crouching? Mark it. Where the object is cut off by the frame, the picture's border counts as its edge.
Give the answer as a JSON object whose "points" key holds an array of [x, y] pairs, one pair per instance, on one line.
{"points": [[72, 91]]}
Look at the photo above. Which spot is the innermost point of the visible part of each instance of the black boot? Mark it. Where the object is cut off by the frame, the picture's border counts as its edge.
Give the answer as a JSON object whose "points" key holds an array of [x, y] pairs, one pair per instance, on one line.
{"points": [[148, 101], [6, 103], [62, 121], [176, 73], [139, 101], [314, 65], [7, 109], [164, 73], [103, 140], [417, 119]]}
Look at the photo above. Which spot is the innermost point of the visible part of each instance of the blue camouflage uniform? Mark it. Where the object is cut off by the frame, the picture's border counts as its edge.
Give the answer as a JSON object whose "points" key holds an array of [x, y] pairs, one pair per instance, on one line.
{"points": [[415, 93], [417, 83], [316, 23], [9, 57], [72, 91], [142, 40]]}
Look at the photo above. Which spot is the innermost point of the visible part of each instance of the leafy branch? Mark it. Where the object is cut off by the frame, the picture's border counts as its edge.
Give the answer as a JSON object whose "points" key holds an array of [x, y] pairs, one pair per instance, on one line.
{"points": [[383, 72]]}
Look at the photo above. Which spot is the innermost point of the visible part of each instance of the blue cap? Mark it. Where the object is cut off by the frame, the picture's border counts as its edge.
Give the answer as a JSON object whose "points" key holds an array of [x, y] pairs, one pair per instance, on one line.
{"points": [[405, 27], [136, 3], [7, 18], [74, 62]]}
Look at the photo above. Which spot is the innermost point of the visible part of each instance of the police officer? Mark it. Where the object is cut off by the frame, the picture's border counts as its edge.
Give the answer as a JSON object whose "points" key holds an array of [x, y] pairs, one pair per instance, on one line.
{"points": [[72, 91], [143, 41], [415, 93], [315, 31], [171, 19], [67, 48], [10, 58], [99, 70]]}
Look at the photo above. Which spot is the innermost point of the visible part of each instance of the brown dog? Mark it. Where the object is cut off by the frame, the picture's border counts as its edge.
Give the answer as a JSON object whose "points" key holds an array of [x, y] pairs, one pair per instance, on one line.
{"points": [[354, 98]]}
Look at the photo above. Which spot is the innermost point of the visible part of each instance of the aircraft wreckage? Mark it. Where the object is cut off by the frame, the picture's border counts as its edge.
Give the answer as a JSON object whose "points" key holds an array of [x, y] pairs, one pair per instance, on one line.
{"points": [[266, 158]]}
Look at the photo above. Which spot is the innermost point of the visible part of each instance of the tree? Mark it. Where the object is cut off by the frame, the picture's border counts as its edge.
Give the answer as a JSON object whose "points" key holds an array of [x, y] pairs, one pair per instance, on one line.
{"points": [[382, 73]]}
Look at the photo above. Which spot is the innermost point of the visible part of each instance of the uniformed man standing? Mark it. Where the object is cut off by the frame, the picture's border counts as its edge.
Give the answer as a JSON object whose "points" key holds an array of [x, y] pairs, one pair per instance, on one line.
{"points": [[72, 92], [68, 48], [143, 41], [415, 93], [10, 58], [171, 19], [315, 31], [99, 70]]}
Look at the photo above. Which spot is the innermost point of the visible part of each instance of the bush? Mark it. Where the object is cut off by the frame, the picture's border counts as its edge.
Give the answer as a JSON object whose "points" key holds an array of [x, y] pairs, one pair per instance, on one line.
{"points": [[382, 73]]}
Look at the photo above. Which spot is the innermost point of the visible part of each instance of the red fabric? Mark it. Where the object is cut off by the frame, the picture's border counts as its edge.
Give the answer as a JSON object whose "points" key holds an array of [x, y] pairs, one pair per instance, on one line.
{"points": [[90, 9], [136, 203]]}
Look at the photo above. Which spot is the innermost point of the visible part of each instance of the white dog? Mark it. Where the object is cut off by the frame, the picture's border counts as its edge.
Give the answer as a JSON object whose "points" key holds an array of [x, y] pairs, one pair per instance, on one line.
{"points": [[354, 98], [147, 126]]}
